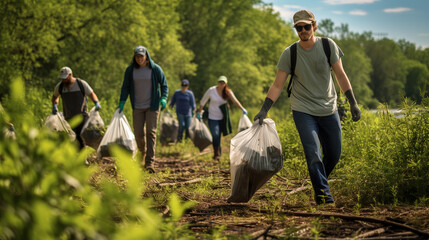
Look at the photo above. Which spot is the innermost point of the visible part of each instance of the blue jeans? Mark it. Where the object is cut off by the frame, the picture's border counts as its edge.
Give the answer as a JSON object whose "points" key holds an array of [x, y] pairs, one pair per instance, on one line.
{"points": [[317, 134], [184, 123], [214, 126]]}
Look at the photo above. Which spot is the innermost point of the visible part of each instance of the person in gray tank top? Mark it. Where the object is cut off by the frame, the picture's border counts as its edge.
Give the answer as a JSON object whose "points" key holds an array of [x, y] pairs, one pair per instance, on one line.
{"points": [[313, 101], [73, 92]]}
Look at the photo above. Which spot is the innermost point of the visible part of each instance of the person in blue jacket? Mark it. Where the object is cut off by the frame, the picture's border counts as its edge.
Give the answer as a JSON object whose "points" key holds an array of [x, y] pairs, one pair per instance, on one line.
{"points": [[146, 84], [185, 105]]}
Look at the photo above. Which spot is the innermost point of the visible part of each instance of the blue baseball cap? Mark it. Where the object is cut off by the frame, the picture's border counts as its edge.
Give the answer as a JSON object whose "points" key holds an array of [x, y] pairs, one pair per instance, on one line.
{"points": [[185, 81]]}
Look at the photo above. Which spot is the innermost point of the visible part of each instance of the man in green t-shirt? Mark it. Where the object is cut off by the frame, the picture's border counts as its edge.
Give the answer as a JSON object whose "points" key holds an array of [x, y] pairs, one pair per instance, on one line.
{"points": [[314, 101]]}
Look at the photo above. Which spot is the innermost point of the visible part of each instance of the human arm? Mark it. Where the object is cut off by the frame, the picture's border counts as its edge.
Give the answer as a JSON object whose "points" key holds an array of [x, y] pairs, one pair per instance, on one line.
{"points": [[125, 89], [94, 98], [164, 89], [236, 102], [193, 105], [55, 100], [272, 95], [203, 102], [346, 88], [173, 100]]}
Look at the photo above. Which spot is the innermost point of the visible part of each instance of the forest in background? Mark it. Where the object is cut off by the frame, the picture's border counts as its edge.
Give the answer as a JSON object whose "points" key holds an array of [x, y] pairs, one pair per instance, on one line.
{"points": [[197, 40], [48, 193]]}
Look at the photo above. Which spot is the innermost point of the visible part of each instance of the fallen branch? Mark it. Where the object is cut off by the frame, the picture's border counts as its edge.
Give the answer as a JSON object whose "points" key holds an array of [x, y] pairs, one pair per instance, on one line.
{"points": [[372, 233], [181, 183], [166, 211], [351, 217], [264, 233]]}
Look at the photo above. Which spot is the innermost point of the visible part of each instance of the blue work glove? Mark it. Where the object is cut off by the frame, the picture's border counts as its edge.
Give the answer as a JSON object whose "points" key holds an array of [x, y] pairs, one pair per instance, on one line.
{"points": [[11, 127], [163, 103], [54, 109], [121, 106], [199, 116], [244, 111], [97, 106]]}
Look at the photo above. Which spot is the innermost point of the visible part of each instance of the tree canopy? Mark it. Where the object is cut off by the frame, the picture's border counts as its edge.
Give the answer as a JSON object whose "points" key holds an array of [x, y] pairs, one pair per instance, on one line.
{"points": [[197, 40]]}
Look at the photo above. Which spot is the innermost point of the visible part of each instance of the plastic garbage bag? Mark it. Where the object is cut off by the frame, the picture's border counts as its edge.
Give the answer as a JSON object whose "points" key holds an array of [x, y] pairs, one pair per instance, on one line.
{"points": [[118, 132], [244, 123], [169, 128], [200, 134], [255, 156], [57, 122], [93, 130]]}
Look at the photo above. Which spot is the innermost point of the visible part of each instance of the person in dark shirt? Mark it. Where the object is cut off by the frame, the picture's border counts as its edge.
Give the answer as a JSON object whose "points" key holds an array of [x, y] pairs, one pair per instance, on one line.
{"points": [[185, 104]]}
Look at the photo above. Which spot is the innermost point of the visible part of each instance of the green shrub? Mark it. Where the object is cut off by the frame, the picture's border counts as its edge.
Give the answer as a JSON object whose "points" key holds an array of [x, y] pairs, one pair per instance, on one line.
{"points": [[384, 158], [45, 190]]}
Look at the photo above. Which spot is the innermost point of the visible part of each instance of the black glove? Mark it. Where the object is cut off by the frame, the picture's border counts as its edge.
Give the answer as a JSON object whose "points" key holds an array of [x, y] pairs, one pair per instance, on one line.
{"points": [[264, 110], [354, 108]]}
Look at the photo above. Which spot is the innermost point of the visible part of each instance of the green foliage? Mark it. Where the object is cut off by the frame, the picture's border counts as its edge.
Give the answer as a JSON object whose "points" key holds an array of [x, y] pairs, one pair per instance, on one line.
{"points": [[388, 76], [384, 157], [46, 192]]}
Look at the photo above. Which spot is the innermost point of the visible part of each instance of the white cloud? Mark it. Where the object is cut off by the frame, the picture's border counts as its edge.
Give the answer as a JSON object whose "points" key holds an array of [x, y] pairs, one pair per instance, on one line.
{"points": [[397, 10], [423, 34], [338, 12], [341, 2], [358, 13], [287, 11]]}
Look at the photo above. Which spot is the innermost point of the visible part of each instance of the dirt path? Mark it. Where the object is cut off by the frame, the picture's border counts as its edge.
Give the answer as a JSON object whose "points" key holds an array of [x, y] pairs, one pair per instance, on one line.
{"points": [[282, 208]]}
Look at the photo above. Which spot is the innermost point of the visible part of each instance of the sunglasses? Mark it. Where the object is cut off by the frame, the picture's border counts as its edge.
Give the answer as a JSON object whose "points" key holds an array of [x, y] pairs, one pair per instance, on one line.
{"points": [[184, 85], [307, 27]]}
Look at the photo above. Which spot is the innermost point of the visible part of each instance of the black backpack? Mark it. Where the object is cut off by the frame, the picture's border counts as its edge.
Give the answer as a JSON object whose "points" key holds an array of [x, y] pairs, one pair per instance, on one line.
{"points": [[82, 90], [293, 51]]}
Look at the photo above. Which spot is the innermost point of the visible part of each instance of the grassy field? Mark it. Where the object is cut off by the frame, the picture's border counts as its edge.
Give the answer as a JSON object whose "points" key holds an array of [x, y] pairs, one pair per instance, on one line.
{"points": [[47, 192]]}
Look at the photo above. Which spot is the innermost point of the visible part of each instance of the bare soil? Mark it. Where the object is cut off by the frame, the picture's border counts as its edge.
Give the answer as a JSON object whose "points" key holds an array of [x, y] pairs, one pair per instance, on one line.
{"points": [[281, 209]]}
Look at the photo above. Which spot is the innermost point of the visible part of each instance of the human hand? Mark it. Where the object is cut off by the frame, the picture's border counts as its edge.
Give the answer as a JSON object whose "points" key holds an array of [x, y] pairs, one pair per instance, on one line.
{"points": [[54, 109], [199, 116], [260, 116], [354, 109], [163, 103], [244, 111], [11, 127], [264, 111], [121, 106], [97, 106]]}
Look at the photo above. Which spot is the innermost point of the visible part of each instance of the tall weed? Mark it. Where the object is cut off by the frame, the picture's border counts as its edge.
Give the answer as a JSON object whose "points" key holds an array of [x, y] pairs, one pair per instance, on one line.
{"points": [[384, 158]]}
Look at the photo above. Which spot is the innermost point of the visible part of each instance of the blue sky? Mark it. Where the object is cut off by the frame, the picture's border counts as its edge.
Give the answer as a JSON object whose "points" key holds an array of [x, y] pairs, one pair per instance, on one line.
{"points": [[394, 19]]}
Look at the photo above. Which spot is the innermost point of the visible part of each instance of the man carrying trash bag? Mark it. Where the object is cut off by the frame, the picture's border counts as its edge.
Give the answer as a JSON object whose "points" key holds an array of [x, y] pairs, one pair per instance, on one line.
{"points": [[73, 92], [314, 99]]}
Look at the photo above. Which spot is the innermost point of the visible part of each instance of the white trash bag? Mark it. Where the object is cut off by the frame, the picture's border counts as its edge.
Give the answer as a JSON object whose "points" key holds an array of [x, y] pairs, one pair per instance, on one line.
{"points": [[244, 123], [57, 122], [200, 134], [118, 132], [93, 130], [255, 156]]}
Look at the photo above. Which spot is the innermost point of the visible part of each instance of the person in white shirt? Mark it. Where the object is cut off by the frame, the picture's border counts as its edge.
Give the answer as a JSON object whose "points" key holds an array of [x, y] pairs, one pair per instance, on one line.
{"points": [[218, 112]]}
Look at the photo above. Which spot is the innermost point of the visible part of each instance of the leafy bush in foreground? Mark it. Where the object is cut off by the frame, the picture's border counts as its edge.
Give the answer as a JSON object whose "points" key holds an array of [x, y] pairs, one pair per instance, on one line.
{"points": [[45, 192]]}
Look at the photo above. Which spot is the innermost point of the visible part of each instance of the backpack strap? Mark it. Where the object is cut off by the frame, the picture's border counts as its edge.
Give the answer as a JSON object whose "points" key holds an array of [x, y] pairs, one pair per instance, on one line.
{"points": [[293, 51], [327, 50], [293, 56], [82, 89], [79, 83]]}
